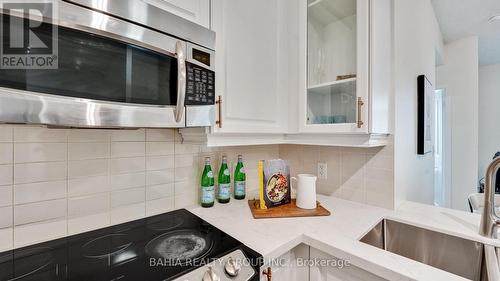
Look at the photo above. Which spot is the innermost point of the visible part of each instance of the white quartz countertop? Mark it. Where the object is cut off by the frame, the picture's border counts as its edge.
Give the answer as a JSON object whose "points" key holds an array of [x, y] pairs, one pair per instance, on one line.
{"points": [[338, 234]]}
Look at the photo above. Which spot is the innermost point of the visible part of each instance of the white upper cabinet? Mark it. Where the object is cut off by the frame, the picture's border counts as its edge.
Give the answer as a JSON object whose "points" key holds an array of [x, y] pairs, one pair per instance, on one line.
{"points": [[197, 11], [251, 65], [291, 71], [337, 74], [335, 65]]}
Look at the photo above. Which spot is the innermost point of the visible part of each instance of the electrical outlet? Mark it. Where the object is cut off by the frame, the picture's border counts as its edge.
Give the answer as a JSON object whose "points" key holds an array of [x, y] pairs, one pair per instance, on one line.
{"points": [[322, 171]]}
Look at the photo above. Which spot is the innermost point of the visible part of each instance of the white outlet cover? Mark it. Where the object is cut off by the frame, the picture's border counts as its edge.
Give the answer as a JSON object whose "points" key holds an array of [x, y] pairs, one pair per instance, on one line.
{"points": [[322, 171]]}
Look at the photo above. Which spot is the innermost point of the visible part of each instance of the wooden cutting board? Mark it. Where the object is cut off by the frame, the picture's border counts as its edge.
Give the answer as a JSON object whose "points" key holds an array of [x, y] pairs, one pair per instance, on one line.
{"points": [[285, 211]]}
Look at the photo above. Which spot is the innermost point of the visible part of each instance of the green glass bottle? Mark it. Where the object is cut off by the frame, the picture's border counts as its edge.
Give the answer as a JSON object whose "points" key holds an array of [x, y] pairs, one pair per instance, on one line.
{"points": [[239, 180], [224, 181], [207, 185]]}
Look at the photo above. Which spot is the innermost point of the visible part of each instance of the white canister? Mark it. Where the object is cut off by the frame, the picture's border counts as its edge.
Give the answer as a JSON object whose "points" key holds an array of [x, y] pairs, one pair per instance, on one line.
{"points": [[306, 191]]}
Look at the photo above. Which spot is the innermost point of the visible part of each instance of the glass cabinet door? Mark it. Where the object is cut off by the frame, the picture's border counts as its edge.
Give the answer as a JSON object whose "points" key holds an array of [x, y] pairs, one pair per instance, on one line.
{"points": [[332, 61]]}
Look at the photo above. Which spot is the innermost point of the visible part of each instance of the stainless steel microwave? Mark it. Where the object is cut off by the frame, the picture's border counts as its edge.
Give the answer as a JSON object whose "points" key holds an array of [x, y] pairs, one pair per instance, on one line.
{"points": [[120, 64]]}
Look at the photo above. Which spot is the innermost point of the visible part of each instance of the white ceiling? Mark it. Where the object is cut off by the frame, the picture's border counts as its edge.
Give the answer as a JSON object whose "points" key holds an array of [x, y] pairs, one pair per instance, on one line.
{"points": [[462, 18]]}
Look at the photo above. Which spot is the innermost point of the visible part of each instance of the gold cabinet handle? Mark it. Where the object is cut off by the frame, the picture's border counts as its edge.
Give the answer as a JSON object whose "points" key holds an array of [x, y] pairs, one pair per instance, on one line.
{"points": [[218, 122], [360, 122], [267, 272]]}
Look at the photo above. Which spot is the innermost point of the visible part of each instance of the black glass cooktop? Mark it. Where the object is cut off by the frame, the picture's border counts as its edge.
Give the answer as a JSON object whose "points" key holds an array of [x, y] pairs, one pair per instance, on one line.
{"points": [[162, 247]]}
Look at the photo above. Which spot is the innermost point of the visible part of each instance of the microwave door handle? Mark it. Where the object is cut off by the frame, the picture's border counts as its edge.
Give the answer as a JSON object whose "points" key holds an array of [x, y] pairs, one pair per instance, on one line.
{"points": [[181, 80]]}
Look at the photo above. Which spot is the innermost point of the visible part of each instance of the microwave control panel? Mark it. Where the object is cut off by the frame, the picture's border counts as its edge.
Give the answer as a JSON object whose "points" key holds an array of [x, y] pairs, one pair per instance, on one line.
{"points": [[200, 88]]}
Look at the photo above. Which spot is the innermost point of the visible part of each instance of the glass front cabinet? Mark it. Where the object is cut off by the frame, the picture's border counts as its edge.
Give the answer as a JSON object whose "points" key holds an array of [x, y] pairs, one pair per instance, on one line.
{"points": [[335, 68]]}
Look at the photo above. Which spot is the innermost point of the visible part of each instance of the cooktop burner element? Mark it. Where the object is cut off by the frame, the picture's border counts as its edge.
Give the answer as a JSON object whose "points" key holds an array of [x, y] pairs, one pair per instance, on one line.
{"points": [[128, 252], [36, 260], [107, 245], [180, 245], [166, 224]]}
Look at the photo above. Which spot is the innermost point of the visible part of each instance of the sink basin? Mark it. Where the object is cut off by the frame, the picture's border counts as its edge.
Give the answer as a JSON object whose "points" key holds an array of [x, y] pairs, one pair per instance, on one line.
{"points": [[453, 254]]}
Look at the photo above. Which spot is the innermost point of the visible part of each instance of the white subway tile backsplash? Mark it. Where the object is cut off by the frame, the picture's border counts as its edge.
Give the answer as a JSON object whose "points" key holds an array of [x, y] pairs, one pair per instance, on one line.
{"points": [[356, 195], [352, 166], [127, 165], [185, 187], [85, 151], [6, 153], [88, 185], [125, 181], [88, 135], [330, 156], [6, 133], [102, 177], [353, 173], [57, 182], [5, 195], [188, 160], [159, 206], [40, 211], [379, 186], [128, 213], [187, 173], [87, 168], [380, 162], [186, 200], [38, 172], [88, 205], [159, 191], [40, 152], [379, 174], [384, 200], [160, 177], [167, 135], [87, 223], [6, 174], [6, 241], [39, 134], [40, 191], [128, 135], [127, 149], [127, 197], [159, 162], [183, 148], [38, 232], [355, 182], [6, 217], [159, 148]]}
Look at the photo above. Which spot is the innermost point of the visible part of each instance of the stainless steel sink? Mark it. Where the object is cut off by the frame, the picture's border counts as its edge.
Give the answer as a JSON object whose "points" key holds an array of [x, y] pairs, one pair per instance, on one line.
{"points": [[456, 255]]}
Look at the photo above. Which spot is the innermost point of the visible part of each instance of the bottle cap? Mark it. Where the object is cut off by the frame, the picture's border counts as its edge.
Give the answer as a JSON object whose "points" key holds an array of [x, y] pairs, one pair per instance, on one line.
{"points": [[207, 160], [224, 159]]}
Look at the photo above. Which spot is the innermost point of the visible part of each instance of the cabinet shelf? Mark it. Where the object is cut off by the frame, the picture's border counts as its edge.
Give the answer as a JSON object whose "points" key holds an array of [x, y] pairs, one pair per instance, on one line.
{"points": [[326, 12], [332, 87]]}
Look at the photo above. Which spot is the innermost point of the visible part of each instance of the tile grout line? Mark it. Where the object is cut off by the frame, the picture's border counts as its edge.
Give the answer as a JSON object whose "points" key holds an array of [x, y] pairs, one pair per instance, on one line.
{"points": [[145, 169], [67, 183], [109, 143], [12, 188], [175, 135]]}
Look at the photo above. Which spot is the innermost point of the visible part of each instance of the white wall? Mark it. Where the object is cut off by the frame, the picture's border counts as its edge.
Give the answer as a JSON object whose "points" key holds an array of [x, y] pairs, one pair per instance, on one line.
{"points": [[417, 39], [459, 77], [489, 105]]}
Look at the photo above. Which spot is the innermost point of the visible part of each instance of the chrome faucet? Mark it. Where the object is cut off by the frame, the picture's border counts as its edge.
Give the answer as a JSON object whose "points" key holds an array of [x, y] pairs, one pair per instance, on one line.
{"points": [[490, 220]]}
